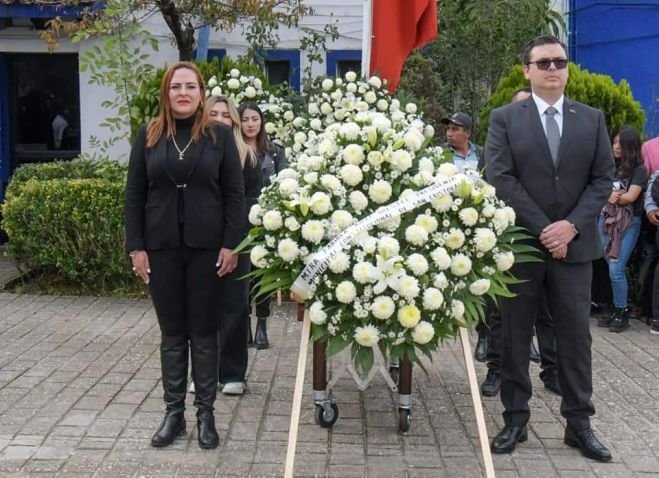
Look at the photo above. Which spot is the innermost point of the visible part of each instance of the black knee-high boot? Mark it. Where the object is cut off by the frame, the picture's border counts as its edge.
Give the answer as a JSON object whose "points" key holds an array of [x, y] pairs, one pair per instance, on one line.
{"points": [[204, 368], [174, 362]]}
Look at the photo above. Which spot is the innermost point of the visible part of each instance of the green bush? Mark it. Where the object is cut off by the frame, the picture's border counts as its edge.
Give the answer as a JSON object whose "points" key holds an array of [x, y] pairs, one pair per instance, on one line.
{"points": [[599, 91], [66, 219]]}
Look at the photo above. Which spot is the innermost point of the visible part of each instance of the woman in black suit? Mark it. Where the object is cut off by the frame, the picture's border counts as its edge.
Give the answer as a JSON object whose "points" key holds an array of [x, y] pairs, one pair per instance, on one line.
{"points": [[272, 160], [185, 213]]}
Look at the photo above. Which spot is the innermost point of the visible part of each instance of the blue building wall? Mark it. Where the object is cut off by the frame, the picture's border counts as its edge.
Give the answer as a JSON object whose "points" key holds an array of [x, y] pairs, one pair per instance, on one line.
{"points": [[620, 38]]}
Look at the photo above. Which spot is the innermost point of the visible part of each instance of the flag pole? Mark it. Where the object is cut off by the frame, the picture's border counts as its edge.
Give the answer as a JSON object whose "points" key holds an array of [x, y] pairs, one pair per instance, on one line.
{"points": [[367, 32]]}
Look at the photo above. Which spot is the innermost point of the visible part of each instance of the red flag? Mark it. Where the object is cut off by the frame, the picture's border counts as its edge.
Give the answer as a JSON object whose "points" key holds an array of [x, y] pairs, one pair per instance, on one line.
{"points": [[399, 26]]}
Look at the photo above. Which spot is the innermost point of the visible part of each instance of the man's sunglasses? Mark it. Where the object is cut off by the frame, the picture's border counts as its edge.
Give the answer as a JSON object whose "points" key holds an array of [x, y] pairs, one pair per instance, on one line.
{"points": [[544, 64]]}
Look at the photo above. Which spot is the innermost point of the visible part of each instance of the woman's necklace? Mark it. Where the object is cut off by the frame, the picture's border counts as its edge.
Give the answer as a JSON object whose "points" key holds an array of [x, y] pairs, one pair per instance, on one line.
{"points": [[181, 152]]}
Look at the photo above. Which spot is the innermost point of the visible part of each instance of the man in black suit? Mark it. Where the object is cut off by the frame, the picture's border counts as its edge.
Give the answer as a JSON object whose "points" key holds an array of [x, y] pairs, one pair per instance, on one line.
{"points": [[550, 159]]}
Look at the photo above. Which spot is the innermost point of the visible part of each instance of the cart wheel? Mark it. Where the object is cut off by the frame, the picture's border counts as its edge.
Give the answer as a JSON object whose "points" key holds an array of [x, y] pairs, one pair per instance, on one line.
{"points": [[404, 419], [326, 419], [394, 373]]}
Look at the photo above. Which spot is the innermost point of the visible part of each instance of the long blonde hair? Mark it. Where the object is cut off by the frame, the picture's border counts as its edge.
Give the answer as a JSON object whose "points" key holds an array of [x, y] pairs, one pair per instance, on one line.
{"points": [[165, 120], [244, 150]]}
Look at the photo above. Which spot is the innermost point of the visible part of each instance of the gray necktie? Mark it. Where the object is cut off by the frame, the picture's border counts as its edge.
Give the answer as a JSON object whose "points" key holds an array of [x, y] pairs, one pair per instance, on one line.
{"points": [[553, 133]]}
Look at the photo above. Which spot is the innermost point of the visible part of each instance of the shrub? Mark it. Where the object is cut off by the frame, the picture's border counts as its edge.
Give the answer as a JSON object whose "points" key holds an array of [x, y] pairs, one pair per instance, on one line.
{"points": [[66, 219], [599, 91]]}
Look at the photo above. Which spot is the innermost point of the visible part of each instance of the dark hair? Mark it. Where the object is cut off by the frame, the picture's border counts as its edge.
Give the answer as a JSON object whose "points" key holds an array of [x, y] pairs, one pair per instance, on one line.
{"points": [[262, 143], [630, 151], [526, 89], [537, 41]]}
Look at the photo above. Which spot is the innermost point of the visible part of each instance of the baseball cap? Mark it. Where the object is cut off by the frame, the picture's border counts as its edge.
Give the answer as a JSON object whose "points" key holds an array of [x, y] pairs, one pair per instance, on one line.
{"points": [[460, 119]]}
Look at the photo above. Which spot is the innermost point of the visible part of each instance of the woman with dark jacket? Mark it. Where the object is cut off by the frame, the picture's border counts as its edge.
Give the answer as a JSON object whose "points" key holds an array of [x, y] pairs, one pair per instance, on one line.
{"points": [[185, 213], [272, 160]]}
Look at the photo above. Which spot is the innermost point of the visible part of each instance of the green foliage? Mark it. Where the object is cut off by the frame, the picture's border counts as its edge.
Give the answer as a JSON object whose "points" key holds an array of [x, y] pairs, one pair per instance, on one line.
{"points": [[314, 43], [420, 83], [66, 219], [596, 90]]}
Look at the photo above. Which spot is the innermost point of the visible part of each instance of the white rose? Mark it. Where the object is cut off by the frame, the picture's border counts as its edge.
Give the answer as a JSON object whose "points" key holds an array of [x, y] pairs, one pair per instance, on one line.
{"points": [[417, 264], [287, 173], [510, 212], [416, 235], [272, 220], [313, 231], [258, 83], [383, 307], [255, 215], [288, 250], [316, 124], [362, 106], [455, 239], [289, 115], [428, 131], [370, 97], [300, 137], [427, 222], [479, 287], [504, 260], [488, 211], [423, 333], [250, 92], [432, 298], [270, 128], [297, 122], [469, 216], [351, 76], [235, 73], [291, 224], [257, 256], [327, 84], [441, 258], [339, 263], [401, 159], [339, 115], [388, 247], [312, 109], [310, 178], [353, 154], [216, 91], [316, 313], [336, 95], [442, 203], [367, 335], [212, 82], [484, 239], [440, 281], [447, 169], [375, 82], [457, 309], [413, 139], [320, 203], [368, 244], [351, 88], [361, 272], [408, 287], [288, 186], [345, 292], [500, 220], [326, 108], [460, 265], [380, 191], [410, 108], [350, 131], [358, 201], [233, 84]]}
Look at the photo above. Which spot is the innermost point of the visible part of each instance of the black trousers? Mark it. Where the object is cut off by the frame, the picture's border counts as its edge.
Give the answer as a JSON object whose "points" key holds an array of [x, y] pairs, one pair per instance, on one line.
{"points": [[262, 303], [233, 323], [568, 296], [185, 290]]}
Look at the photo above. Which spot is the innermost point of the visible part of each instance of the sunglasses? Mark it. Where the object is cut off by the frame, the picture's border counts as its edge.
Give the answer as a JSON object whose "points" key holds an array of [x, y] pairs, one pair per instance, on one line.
{"points": [[544, 63]]}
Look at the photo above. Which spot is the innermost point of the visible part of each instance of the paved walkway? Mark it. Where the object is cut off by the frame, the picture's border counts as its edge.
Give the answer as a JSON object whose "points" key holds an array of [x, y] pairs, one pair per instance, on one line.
{"points": [[8, 269], [80, 396]]}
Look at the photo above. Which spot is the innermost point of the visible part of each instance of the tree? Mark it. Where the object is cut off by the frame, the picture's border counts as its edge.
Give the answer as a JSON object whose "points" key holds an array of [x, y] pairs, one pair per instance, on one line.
{"points": [[261, 19]]}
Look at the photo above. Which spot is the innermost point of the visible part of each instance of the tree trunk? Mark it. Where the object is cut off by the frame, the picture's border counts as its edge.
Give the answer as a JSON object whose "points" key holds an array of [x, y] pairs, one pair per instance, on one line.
{"points": [[183, 33]]}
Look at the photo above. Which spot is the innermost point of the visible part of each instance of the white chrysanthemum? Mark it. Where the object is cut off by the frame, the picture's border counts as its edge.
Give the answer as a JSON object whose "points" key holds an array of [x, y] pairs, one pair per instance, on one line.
{"points": [[327, 148], [287, 173], [442, 203], [351, 88], [297, 122], [401, 160], [479, 287], [358, 201], [455, 239], [288, 250], [345, 292], [291, 223], [258, 84], [409, 316], [504, 260], [312, 109], [300, 137], [457, 309], [413, 139], [440, 281], [216, 91], [432, 298], [361, 272], [353, 154], [375, 82], [460, 265], [288, 186], [340, 263], [351, 76], [257, 256], [234, 73], [316, 124], [397, 117], [326, 109], [375, 158], [352, 175], [448, 169], [441, 258], [368, 244], [212, 82], [350, 131], [410, 108], [500, 220], [342, 219], [316, 313], [362, 106], [383, 307], [488, 211], [510, 212], [233, 84], [250, 92], [468, 216], [370, 97], [331, 182], [367, 335], [426, 165], [320, 203], [327, 84], [382, 105], [255, 215], [313, 231], [379, 191], [392, 224], [428, 131], [272, 220], [484, 239], [388, 247], [417, 264], [423, 332], [310, 178], [416, 235], [427, 222], [408, 287], [488, 191]]}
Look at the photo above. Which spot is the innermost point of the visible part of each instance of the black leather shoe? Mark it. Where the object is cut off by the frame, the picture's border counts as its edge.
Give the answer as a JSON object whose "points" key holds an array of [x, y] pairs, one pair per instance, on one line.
{"points": [[552, 384], [534, 355], [172, 426], [507, 438], [207, 433], [492, 383], [261, 336], [480, 354], [587, 442]]}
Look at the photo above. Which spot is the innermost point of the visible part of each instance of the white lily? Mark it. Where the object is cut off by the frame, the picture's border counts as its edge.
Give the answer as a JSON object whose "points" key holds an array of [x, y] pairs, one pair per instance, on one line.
{"points": [[386, 273]]}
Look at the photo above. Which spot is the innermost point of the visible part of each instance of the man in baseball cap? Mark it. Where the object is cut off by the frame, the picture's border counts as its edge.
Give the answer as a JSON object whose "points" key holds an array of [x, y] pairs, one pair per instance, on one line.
{"points": [[466, 155]]}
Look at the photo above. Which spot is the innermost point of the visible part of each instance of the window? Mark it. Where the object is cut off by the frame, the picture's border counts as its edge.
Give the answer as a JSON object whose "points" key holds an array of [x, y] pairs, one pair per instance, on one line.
{"points": [[339, 62], [277, 71], [282, 66], [344, 66]]}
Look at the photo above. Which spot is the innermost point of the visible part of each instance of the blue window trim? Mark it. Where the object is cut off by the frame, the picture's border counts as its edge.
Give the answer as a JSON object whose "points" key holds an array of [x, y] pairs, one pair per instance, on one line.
{"points": [[218, 53], [335, 56], [293, 57], [19, 10], [5, 165]]}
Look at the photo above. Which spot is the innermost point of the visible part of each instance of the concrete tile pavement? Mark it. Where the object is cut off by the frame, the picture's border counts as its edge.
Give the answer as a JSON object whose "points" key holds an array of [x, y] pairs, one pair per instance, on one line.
{"points": [[80, 397]]}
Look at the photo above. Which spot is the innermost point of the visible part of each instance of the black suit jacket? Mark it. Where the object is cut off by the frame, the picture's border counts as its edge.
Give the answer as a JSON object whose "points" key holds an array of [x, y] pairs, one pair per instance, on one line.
{"points": [[519, 165], [214, 196]]}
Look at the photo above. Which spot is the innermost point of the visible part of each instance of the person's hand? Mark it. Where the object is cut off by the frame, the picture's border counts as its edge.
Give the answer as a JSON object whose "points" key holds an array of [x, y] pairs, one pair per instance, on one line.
{"points": [[559, 252], [615, 197], [653, 217], [559, 233], [226, 261], [140, 260]]}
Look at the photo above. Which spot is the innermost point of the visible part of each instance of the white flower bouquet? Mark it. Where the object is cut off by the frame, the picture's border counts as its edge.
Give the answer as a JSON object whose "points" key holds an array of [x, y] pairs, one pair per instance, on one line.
{"points": [[411, 280]]}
